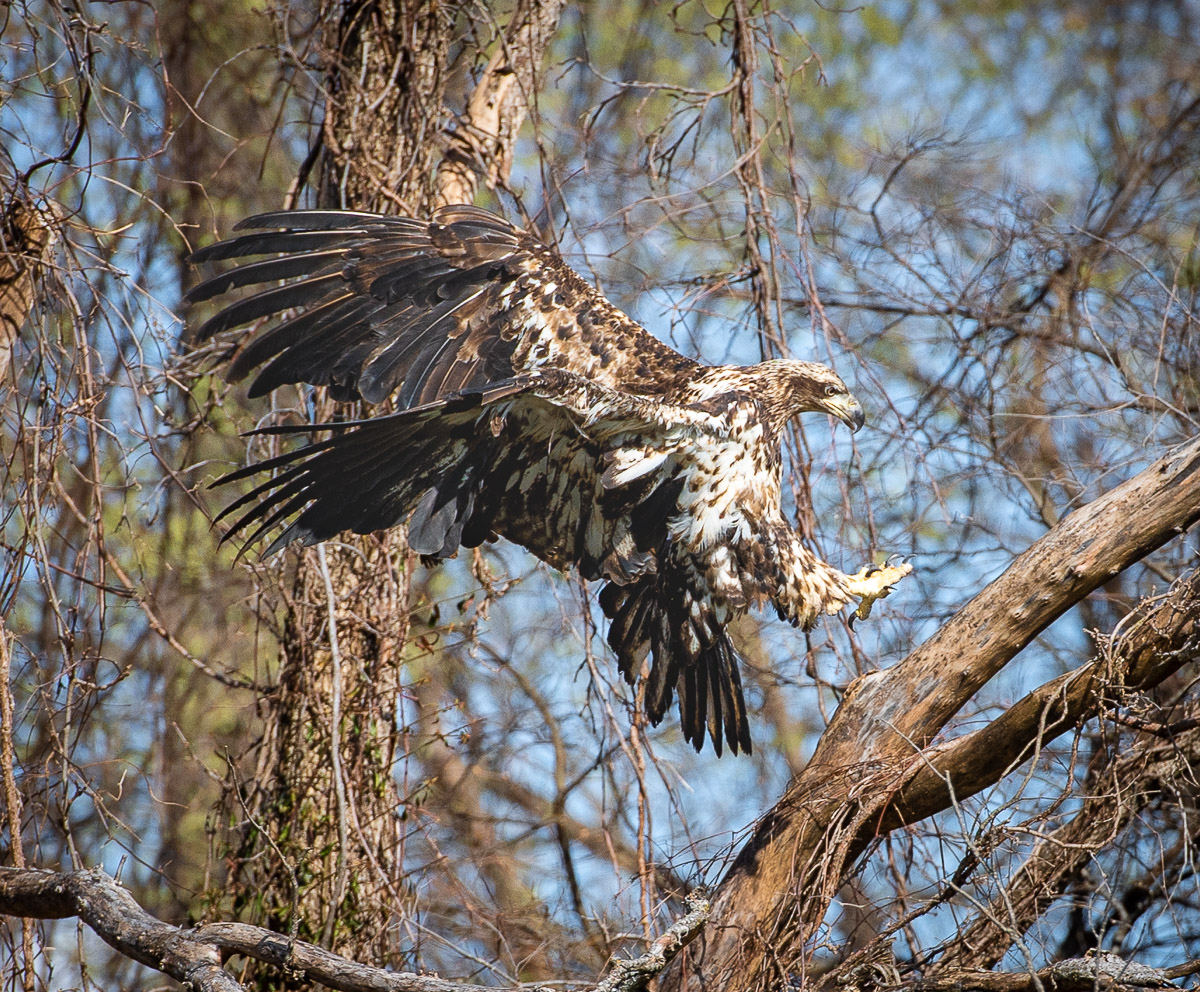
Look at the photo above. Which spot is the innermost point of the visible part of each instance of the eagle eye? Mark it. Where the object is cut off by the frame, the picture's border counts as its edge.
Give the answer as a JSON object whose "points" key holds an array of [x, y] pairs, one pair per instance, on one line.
{"points": [[831, 390]]}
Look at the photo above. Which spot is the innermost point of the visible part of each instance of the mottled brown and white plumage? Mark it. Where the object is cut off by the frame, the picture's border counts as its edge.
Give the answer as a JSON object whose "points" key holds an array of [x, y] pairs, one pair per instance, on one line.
{"points": [[535, 410]]}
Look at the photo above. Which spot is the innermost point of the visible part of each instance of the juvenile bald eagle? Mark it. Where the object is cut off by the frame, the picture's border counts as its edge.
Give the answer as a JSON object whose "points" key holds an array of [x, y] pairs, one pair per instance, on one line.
{"points": [[533, 409]]}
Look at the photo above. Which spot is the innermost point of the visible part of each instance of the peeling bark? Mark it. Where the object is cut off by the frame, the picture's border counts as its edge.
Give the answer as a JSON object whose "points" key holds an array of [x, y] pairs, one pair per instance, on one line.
{"points": [[485, 139]]}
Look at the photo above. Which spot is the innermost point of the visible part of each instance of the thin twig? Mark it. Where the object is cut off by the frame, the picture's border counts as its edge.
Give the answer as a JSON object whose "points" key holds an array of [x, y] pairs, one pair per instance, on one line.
{"points": [[335, 750]]}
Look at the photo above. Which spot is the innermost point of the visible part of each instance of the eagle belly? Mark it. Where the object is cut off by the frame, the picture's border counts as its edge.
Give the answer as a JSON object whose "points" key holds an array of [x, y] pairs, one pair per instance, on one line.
{"points": [[730, 487]]}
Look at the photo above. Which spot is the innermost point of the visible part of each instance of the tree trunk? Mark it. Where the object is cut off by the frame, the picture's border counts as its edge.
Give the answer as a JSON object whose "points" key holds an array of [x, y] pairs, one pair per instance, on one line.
{"points": [[321, 841], [26, 239]]}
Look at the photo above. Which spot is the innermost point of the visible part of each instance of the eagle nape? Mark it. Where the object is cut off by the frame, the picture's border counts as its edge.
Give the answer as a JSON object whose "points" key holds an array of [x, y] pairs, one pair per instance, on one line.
{"points": [[530, 408]]}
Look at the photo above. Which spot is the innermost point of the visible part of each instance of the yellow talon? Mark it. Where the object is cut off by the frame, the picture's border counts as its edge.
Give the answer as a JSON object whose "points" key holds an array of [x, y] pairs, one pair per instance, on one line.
{"points": [[874, 582]]}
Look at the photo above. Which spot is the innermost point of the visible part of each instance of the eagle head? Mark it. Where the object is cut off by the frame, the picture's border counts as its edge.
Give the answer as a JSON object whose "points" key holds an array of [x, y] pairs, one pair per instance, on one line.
{"points": [[805, 387]]}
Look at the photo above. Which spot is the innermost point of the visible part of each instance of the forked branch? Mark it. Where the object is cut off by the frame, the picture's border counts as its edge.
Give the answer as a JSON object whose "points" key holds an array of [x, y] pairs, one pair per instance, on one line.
{"points": [[777, 891], [1154, 641]]}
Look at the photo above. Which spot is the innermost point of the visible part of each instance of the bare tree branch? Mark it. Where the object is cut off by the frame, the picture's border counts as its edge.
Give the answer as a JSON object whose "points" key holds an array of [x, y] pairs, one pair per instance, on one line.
{"points": [[191, 956], [117, 918], [1103, 971], [13, 803], [315, 963], [777, 890], [632, 976], [486, 136], [1154, 641], [1118, 791]]}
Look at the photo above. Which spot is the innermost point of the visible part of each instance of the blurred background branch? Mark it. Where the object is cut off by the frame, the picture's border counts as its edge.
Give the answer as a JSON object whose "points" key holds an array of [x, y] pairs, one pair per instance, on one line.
{"points": [[984, 216]]}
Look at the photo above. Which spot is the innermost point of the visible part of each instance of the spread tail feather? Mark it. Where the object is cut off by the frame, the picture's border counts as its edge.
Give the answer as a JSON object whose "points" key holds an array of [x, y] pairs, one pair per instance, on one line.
{"points": [[659, 615]]}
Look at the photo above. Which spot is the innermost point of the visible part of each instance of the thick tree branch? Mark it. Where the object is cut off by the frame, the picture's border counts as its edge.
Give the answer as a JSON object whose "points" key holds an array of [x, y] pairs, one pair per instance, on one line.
{"points": [[486, 134], [315, 963], [117, 918], [193, 956], [1091, 974], [1155, 640], [779, 887], [904, 708]]}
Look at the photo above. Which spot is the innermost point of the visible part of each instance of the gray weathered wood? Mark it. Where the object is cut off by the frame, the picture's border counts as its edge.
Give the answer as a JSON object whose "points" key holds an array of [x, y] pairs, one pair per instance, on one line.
{"points": [[116, 917], [194, 956]]}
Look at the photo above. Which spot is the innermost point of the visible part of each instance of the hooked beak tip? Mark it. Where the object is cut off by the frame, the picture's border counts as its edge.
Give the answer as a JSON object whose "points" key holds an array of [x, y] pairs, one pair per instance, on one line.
{"points": [[843, 407], [849, 411]]}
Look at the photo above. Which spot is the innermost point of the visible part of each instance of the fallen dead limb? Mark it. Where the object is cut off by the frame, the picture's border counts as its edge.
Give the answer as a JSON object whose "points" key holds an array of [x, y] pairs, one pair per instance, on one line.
{"points": [[195, 956]]}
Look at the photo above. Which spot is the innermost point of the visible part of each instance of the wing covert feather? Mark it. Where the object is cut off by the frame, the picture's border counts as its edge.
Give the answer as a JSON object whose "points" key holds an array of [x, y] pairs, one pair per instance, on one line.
{"points": [[425, 307]]}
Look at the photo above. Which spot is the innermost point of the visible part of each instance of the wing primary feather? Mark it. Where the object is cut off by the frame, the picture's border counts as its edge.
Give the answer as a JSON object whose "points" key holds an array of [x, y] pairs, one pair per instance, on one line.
{"points": [[269, 270], [264, 487], [323, 220], [267, 520], [274, 339], [332, 354], [267, 243], [269, 301], [383, 372], [277, 461], [709, 664], [411, 390]]}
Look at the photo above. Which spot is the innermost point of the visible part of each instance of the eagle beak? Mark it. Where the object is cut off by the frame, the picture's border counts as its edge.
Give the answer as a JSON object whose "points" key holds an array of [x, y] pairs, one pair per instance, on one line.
{"points": [[847, 409]]}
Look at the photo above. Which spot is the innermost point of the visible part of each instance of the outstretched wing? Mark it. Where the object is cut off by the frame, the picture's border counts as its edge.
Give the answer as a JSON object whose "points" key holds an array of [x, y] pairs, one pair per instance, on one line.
{"points": [[376, 304], [518, 459], [579, 474]]}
